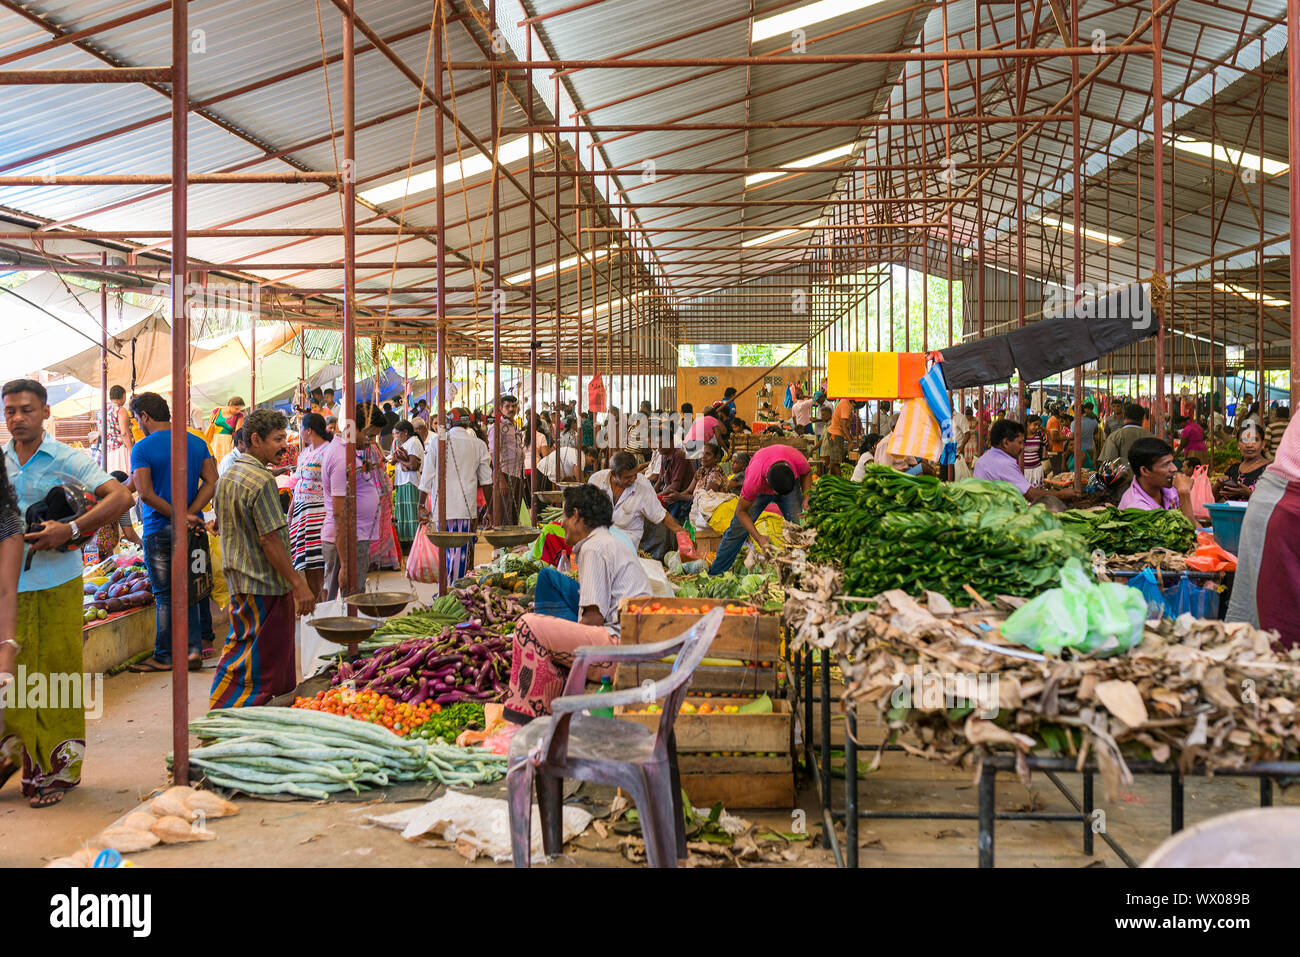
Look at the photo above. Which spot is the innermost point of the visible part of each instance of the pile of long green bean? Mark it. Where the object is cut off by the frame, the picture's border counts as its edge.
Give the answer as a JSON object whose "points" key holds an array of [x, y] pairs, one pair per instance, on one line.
{"points": [[265, 750]]}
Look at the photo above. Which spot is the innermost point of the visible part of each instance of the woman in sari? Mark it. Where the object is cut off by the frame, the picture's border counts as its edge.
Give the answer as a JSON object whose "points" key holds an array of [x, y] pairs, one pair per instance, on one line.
{"points": [[385, 552], [1266, 591], [708, 489], [307, 510], [222, 426], [408, 457]]}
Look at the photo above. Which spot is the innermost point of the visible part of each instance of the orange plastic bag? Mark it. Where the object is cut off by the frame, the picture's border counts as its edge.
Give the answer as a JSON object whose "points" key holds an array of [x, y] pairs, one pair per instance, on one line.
{"points": [[1211, 557], [596, 394], [1202, 492]]}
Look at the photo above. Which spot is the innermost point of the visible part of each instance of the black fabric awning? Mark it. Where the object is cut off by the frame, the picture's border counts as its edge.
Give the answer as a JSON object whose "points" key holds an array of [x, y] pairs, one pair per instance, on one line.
{"points": [[1092, 329]]}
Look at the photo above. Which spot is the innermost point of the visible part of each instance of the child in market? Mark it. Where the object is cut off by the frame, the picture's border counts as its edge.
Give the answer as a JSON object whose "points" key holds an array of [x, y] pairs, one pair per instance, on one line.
{"points": [[110, 536], [739, 462], [1032, 459]]}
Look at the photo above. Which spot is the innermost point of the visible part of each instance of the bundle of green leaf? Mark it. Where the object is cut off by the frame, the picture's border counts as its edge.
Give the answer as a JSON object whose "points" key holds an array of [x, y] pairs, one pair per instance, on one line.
{"points": [[1000, 551], [844, 513], [1128, 531]]}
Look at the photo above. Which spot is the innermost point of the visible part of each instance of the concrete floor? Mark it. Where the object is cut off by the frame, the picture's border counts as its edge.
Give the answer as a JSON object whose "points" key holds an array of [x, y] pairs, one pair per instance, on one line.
{"points": [[125, 763]]}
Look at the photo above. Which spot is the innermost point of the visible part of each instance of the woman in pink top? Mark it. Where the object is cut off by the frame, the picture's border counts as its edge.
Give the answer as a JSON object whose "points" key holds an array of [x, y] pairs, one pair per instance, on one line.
{"points": [[1193, 436]]}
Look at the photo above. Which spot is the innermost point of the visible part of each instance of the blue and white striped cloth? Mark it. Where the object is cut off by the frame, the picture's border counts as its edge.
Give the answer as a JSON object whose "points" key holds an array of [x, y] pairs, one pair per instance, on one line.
{"points": [[936, 397]]}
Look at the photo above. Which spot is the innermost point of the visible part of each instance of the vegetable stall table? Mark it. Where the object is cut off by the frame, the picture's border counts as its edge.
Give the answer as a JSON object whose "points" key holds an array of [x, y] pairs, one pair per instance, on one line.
{"points": [[1164, 708]]}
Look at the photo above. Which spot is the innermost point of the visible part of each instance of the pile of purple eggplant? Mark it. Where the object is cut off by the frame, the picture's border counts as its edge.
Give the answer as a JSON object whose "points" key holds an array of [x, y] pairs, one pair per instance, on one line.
{"points": [[464, 663], [490, 606]]}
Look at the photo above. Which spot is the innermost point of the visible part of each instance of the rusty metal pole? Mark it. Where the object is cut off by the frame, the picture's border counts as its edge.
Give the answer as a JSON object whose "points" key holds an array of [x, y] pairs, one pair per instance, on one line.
{"points": [[532, 298], [103, 370], [556, 186], [252, 362], [1077, 215], [1158, 210], [498, 292], [346, 536], [1293, 156], [180, 93], [440, 208]]}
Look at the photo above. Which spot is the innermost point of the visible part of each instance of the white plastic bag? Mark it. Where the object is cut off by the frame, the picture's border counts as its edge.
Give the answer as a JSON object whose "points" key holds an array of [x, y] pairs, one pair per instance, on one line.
{"points": [[310, 644]]}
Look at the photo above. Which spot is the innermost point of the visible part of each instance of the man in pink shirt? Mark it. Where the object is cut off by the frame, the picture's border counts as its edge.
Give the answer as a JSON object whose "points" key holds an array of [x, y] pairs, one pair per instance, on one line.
{"points": [[777, 474], [1157, 483]]}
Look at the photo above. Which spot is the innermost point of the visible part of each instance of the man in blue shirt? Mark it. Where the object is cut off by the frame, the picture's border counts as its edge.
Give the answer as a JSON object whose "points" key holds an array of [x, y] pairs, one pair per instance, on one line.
{"points": [[50, 741], [151, 469]]}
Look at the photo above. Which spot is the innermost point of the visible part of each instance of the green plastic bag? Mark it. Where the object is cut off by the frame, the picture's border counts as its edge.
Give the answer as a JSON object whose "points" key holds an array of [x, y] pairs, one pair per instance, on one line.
{"points": [[1102, 618]]}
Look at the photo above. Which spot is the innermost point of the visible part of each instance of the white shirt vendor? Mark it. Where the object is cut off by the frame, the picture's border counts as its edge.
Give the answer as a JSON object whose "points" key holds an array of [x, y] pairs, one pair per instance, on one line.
{"points": [[469, 465], [608, 571], [568, 464], [639, 504]]}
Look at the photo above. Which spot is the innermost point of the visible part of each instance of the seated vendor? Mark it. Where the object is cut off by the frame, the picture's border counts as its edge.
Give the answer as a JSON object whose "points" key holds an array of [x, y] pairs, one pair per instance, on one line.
{"points": [[637, 510], [1240, 479], [1157, 483], [1001, 463], [584, 612]]}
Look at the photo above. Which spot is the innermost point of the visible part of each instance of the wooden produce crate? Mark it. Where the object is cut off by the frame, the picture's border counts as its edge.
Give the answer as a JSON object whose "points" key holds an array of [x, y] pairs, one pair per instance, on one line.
{"points": [[755, 770], [748, 637], [753, 639]]}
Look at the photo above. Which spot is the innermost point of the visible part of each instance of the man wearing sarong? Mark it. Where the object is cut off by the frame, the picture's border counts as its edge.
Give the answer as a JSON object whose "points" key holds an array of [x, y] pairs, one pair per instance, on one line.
{"points": [[266, 591], [47, 740]]}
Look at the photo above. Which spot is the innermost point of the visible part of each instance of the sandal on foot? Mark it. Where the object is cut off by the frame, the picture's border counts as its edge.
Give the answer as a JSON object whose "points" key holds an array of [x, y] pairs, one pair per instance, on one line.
{"points": [[148, 666], [46, 797], [195, 662]]}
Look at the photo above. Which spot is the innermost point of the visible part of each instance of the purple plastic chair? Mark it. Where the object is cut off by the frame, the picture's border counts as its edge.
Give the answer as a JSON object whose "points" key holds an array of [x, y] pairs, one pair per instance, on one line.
{"points": [[570, 744]]}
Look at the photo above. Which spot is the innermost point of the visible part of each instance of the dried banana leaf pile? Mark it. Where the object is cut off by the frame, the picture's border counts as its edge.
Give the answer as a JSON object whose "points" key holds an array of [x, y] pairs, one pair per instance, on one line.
{"points": [[1194, 691]]}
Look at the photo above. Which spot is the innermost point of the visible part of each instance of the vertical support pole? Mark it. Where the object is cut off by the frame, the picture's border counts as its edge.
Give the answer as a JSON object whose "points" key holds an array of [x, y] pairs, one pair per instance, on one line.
{"points": [[1077, 213], [1293, 155], [987, 813], [1265, 787], [252, 361], [1158, 209], [1175, 803], [346, 536], [103, 370], [556, 186], [440, 229], [532, 285], [180, 392], [851, 786], [1087, 812], [807, 663], [497, 288], [825, 710]]}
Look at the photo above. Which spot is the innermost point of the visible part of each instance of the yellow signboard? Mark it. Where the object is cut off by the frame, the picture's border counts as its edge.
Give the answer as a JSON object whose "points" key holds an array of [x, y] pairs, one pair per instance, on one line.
{"points": [[874, 375]]}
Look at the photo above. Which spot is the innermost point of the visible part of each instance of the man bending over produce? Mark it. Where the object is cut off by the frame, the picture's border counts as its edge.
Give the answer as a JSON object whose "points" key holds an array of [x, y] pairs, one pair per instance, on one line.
{"points": [[587, 612], [151, 468], [1001, 462], [1157, 483], [266, 591], [777, 474]]}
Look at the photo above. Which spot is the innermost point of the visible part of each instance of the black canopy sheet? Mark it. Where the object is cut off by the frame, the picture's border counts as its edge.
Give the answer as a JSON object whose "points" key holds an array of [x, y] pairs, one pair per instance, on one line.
{"points": [[1098, 325]]}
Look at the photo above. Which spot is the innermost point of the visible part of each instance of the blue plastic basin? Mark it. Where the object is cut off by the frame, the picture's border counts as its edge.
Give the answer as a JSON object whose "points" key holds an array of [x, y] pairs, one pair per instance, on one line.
{"points": [[1226, 520]]}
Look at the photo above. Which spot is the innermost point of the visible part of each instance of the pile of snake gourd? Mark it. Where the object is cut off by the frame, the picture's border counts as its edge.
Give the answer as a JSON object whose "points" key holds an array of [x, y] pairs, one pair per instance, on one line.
{"points": [[313, 754]]}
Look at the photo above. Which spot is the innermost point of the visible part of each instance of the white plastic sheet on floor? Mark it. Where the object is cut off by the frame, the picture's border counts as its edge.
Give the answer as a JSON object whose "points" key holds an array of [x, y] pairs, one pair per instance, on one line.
{"points": [[483, 823]]}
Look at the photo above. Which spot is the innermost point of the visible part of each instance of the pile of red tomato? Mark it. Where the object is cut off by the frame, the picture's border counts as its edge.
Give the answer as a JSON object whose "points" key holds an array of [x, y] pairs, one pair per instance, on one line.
{"points": [[397, 716], [659, 608]]}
